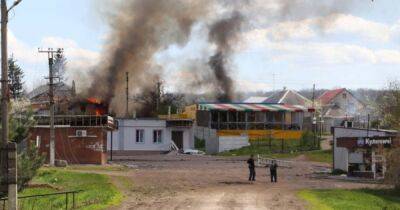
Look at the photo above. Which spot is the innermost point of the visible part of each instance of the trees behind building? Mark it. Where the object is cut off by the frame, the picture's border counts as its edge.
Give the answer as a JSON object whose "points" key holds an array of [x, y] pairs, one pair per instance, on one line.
{"points": [[388, 106], [153, 102]]}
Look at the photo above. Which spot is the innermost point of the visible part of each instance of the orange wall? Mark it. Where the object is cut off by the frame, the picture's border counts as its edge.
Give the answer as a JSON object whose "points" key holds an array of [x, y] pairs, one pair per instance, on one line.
{"points": [[256, 134]]}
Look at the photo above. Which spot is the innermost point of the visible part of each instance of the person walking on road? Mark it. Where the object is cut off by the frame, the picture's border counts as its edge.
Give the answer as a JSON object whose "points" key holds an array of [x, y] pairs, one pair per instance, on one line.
{"points": [[252, 169], [273, 171]]}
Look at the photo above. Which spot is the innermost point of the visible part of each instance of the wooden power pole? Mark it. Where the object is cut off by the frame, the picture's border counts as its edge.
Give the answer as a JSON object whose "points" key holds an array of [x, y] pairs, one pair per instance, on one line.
{"points": [[6, 159], [50, 53]]}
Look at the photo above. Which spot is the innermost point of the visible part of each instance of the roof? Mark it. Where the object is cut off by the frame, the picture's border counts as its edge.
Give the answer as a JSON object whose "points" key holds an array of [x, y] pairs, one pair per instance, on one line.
{"points": [[255, 99], [60, 90], [367, 129], [327, 96], [288, 97], [253, 107]]}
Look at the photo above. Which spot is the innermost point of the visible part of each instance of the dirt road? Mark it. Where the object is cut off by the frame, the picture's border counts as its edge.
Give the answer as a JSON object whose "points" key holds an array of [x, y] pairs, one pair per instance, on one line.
{"points": [[204, 182]]}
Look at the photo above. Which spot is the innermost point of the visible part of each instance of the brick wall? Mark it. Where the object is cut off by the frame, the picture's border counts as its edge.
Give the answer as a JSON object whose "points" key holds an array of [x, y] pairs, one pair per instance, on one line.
{"points": [[69, 147]]}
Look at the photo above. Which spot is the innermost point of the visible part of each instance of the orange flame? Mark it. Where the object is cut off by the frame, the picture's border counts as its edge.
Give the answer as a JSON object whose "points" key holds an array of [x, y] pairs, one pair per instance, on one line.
{"points": [[93, 100]]}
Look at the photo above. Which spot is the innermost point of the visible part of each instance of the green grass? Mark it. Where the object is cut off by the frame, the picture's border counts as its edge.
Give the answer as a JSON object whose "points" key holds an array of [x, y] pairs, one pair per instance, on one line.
{"points": [[360, 199], [324, 156], [97, 167], [315, 155], [98, 192]]}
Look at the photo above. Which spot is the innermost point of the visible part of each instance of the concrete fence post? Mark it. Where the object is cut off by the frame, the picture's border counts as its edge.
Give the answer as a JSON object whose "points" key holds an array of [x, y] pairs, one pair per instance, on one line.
{"points": [[12, 176]]}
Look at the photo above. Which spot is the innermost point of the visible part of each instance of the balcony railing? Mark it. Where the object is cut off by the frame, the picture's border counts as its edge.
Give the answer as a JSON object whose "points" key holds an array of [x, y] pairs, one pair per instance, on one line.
{"points": [[254, 126], [77, 121]]}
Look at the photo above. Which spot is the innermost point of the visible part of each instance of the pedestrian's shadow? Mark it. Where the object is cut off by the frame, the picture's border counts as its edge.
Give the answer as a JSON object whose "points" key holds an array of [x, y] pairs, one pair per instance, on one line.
{"points": [[235, 182]]}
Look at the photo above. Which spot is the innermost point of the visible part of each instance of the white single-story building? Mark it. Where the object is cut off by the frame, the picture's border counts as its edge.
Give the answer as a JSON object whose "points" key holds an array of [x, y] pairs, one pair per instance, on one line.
{"points": [[143, 136]]}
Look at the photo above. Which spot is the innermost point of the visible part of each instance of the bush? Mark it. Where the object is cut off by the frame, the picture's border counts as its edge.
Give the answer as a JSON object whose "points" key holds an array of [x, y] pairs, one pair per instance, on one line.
{"points": [[199, 144], [28, 164], [309, 140]]}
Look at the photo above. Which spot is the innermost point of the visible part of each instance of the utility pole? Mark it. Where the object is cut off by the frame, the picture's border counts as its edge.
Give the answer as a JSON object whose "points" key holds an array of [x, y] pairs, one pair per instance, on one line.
{"points": [[5, 99], [50, 54], [127, 95], [158, 96], [273, 82], [314, 119]]}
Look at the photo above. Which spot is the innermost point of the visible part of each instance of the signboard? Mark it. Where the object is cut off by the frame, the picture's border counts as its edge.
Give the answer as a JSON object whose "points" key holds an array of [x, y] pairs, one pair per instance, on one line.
{"points": [[382, 141], [365, 142]]}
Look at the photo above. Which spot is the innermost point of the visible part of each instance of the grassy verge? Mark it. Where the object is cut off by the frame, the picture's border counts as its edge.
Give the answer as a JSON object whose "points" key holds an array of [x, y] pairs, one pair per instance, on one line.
{"points": [[324, 156], [366, 199], [98, 192], [98, 167], [315, 155]]}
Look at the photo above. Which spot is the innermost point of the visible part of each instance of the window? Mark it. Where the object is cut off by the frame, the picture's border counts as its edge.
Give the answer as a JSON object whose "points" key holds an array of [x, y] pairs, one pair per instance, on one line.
{"points": [[157, 136], [139, 136]]}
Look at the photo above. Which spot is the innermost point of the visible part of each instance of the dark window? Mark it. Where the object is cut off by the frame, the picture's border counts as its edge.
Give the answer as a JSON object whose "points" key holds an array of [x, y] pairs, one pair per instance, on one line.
{"points": [[157, 136], [139, 136]]}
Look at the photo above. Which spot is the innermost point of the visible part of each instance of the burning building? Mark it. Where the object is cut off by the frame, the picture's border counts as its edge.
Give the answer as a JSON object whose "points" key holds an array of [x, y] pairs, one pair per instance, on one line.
{"points": [[80, 134], [79, 139], [63, 96]]}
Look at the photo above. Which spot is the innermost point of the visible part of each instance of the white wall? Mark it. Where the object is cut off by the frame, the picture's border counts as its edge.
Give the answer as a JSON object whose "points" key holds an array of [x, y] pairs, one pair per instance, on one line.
{"points": [[209, 136], [227, 143], [124, 139], [341, 158]]}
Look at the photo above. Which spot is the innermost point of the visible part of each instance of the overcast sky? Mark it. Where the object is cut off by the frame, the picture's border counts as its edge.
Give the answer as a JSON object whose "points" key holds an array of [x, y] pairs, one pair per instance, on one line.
{"points": [[359, 49]]}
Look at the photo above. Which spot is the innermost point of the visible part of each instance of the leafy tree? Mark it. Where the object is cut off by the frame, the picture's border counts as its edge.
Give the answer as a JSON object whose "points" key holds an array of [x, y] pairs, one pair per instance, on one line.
{"points": [[389, 106], [15, 76], [392, 175], [154, 101]]}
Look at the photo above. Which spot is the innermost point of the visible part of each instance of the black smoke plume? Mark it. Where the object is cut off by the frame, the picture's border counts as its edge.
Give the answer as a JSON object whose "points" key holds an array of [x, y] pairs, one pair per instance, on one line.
{"points": [[140, 29], [224, 33]]}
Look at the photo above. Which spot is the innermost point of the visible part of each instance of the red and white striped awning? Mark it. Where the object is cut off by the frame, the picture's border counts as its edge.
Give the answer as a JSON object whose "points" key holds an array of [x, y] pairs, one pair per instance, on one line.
{"points": [[254, 107]]}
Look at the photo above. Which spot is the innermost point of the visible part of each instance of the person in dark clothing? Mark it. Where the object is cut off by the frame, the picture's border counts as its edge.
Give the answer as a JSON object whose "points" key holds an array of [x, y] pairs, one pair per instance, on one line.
{"points": [[252, 170], [273, 171]]}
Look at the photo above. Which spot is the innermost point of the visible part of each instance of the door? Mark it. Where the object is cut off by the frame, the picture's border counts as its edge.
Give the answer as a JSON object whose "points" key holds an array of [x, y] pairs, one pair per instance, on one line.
{"points": [[177, 137]]}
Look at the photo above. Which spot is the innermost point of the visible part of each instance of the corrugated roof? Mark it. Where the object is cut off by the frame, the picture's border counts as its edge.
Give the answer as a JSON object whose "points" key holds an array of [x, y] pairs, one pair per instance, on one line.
{"points": [[253, 107], [326, 97], [255, 99], [288, 97], [61, 89]]}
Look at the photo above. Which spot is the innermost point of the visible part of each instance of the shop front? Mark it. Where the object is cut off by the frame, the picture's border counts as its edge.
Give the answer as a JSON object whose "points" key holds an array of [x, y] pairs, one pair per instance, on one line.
{"points": [[366, 155]]}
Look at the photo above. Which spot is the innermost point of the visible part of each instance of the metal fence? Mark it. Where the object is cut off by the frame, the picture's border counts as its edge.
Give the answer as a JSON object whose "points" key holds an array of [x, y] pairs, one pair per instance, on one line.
{"points": [[49, 201], [285, 145]]}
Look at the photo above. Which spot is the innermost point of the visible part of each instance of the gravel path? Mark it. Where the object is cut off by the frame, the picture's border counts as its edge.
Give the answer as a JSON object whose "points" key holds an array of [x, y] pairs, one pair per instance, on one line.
{"points": [[206, 182]]}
